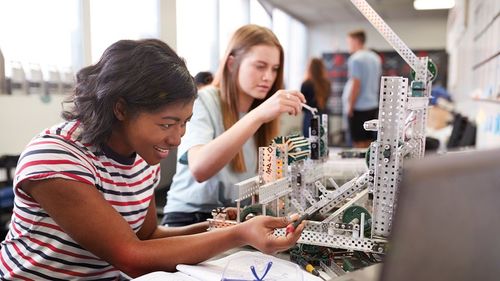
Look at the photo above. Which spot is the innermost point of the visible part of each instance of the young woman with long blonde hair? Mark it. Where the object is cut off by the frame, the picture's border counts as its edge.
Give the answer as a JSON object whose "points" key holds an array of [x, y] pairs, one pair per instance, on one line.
{"points": [[230, 121]]}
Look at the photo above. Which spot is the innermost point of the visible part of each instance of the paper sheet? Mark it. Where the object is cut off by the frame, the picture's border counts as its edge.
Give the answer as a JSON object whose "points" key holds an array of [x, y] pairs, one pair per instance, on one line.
{"points": [[165, 276], [213, 270]]}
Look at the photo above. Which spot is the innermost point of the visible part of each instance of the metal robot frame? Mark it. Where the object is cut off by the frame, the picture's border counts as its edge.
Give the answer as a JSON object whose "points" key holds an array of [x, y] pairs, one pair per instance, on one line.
{"points": [[298, 185]]}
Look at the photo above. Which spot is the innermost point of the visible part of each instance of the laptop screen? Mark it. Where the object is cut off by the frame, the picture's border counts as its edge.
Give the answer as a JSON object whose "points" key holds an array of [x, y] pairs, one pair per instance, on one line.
{"points": [[447, 221]]}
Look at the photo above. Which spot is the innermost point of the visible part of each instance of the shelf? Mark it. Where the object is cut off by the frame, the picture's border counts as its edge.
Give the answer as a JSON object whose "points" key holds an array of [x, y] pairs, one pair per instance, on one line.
{"points": [[483, 31], [486, 60], [497, 101]]}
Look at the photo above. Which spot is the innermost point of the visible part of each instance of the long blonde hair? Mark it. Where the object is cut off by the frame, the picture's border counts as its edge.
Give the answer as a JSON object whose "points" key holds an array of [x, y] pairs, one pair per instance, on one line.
{"points": [[226, 80], [316, 73]]}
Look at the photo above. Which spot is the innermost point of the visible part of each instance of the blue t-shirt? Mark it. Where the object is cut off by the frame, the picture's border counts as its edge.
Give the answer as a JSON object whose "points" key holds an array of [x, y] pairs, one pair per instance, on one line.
{"points": [[186, 194], [366, 66]]}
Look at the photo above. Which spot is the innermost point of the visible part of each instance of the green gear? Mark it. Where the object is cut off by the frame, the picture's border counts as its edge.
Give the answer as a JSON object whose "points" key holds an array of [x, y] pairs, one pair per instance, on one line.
{"points": [[431, 66], [255, 209], [354, 212]]}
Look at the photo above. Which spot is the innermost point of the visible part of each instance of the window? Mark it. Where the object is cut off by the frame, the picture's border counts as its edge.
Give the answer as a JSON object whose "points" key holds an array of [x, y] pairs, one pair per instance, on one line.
{"points": [[293, 37], [37, 34], [205, 27], [232, 15], [197, 37], [259, 15], [113, 20]]}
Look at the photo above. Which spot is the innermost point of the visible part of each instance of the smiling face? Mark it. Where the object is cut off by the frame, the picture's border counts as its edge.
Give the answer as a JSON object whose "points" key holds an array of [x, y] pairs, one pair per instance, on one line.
{"points": [[258, 70], [151, 135]]}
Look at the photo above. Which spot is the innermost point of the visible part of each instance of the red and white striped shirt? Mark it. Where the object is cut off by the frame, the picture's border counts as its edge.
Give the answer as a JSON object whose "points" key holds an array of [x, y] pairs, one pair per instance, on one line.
{"points": [[36, 247]]}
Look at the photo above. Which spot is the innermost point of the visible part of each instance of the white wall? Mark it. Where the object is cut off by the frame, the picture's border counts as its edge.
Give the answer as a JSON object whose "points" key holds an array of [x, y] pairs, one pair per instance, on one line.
{"points": [[23, 117], [475, 82], [417, 34], [168, 22]]}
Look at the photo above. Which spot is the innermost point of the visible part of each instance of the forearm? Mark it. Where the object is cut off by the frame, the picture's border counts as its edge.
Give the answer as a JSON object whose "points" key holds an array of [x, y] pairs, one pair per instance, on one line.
{"points": [[207, 160], [353, 97], [164, 254], [352, 100], [163, 232], [138, 253]]}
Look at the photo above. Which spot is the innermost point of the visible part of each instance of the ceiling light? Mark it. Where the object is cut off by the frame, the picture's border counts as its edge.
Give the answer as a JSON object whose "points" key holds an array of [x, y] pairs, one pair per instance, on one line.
{"points": [[433, 4]]}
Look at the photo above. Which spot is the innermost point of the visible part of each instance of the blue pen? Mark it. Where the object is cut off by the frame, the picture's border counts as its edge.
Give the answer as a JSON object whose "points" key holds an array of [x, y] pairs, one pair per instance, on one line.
{"points": [[254, 272], [268, 267]]}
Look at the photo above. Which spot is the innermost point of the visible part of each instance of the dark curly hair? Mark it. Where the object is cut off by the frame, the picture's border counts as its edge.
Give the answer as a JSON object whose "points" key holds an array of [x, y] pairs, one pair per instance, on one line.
{"points": [[145, 74]]}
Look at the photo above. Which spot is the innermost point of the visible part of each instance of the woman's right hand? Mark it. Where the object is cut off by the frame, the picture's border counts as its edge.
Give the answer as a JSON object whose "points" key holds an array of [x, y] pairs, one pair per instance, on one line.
{"points": [[282, 101], [259, 233]]}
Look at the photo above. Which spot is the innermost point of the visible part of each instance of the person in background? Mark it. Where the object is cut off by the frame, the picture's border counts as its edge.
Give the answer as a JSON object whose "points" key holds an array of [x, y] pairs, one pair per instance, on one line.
{"points": [[84, 203], [361, 93], [203, 79], [316, 89], [231, 120], [3, 82]]}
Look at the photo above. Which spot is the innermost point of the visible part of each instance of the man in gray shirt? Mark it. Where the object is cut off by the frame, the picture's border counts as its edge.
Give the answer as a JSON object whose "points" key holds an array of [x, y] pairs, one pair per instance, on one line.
{"points": [[361, 93]]}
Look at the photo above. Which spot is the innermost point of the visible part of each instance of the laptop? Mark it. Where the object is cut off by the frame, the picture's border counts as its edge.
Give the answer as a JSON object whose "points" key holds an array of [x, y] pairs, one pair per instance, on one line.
{"points": [[447, 221]]}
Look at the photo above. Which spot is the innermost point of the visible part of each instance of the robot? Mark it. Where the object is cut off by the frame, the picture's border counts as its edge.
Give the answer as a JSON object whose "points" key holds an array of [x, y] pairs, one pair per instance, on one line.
{"points": [[294, 173]]}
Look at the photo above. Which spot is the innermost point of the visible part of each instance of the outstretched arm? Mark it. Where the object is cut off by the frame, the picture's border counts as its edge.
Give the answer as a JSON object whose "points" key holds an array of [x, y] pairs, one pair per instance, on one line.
{"points": [[69, 203], [151, 230], [208, 159]]}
